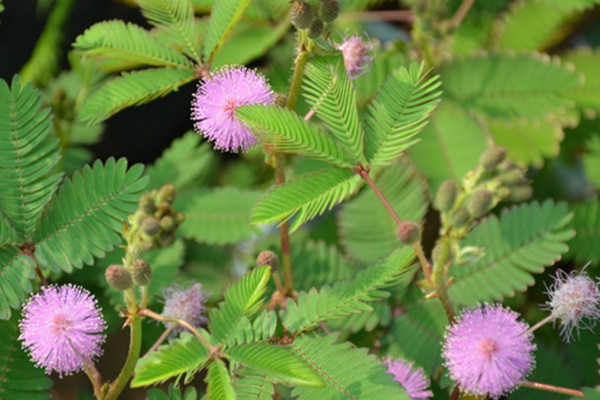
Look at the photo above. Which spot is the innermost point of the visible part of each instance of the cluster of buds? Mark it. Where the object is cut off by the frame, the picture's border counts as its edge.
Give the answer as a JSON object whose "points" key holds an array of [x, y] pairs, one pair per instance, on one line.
{"points": [[303, 16]]}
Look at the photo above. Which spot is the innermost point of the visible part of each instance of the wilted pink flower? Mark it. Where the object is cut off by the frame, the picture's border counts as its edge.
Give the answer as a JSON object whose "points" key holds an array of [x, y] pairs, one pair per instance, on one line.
{"points": [[413, 380], [572, 298], [186, 304], [488, 351], [61, 328], [356, 57], [216, 101]]}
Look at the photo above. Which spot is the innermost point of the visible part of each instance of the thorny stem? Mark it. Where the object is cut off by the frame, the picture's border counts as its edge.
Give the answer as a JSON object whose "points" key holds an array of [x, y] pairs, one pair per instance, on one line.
{"points": [[541, 323], [135, 345], [461, 13], [551, 388]]}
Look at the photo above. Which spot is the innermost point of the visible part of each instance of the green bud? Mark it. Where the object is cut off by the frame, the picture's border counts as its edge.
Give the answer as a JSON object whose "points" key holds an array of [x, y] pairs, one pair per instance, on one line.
{"points": [[166, 194], [460, 217], [146, 204], [315, 28], [141, 273], [118, 277], [301, 14], [480, 203], [150, 225], [165, 239], [492, 157], [521, 193], [436, 253], [268, 258], [329, 10], [514, 176], [179, 217], [167, 223], [408, 232], [446, 196]]}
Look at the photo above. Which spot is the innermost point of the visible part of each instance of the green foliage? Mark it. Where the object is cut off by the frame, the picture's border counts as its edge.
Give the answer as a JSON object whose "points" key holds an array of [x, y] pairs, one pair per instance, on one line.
{"points": [[224, 15], [591, 160], [585, 246], [316, 264], [218, 381], [252, 385], [522, 242], [19, 378], [384, 62], [261, 329], [308, 195], [184, 355], [398, 112], [173, 394], [347, 372], [587, 96], [16, 272], [346, 297], [83, 219], [277, 363]]}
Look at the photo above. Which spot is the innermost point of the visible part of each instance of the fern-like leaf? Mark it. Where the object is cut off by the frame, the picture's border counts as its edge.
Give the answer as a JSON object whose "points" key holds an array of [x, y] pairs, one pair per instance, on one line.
{"points": [[523, 241], [329, 92], [184, 355], [27, 160], [16, 272], [219, 386], [287, 131], [346, 297], [348, 373], [132, 88], [84, 219], [317, 264], [278, 364], [585, 246], [308, 195], [117, 40], [587, 96], [251, 385], [173, 394], [242, 300], [176, 19], [262, 328], [224, 16], [398, 112]]}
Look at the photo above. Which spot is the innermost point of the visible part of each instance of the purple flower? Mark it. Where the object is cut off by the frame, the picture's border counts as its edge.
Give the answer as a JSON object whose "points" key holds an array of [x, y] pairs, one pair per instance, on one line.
{"points": [[217, 99], [413, 380], [61, 328], [356, 58], [186, 304], [488, 351], [572, 298]]}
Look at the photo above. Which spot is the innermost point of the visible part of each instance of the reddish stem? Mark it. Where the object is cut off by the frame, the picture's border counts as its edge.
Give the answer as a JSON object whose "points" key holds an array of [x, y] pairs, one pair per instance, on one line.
{"points": [[364, 173], [552, 388]]}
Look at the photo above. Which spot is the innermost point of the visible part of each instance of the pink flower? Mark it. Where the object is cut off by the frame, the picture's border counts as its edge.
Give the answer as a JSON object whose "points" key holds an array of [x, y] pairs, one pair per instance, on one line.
{"points": [[186, 304], [216, 101], [356, 58], [61, 328], [488, 351], [573, 298], [413, 380]]}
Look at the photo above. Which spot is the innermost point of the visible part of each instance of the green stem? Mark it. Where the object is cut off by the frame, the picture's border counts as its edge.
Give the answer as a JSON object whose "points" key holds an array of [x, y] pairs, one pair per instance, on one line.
{"points": [[296, 85], [439, 280]]}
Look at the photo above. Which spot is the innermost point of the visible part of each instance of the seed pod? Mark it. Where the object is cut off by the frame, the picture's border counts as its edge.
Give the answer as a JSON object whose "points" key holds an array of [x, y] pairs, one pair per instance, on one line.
{"points": [[408, 232], [480, 203], [446, 196], [141, 273], [301, 14], [118, 277]]}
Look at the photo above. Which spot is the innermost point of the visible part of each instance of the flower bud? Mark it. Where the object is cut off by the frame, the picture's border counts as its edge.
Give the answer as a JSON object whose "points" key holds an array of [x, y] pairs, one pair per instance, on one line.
{"points": [[515, 176], [150, 226], [436, 253], [521, 193], [167, 223], [315, 28], [267, 258], [166, 194], [329, 10], [480, 203], [141, 273], [446, 196], [146, 204], [118, 277], [408, 232], [165, 239], [460, 217], [492, 157], [301, 14], [179, 217]]}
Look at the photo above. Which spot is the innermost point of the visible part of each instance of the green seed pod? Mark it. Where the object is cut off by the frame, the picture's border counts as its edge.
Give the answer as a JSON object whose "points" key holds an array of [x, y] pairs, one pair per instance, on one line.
{"points": [[492, 157], [408, 232], [446, 196], [167, 223], [460, 217], [146, 204], [329, 10], [301, 14], [315, 28], [166, 194], [118, 277], [150, 225], [268, 257], [521, 193], [141, 273], [480, 203]]}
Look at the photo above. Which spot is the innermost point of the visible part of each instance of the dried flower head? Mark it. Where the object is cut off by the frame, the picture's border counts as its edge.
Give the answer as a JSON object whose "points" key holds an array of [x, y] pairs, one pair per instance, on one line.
{"points": [[61, 328], [574, 297], [488, 351], [413, 380], [356, 55], [186, 304], [216, 101]]}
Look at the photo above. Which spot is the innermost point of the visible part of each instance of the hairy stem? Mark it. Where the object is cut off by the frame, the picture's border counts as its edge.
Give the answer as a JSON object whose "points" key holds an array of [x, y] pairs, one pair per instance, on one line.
{"points": [[552, 388], [439, 280], [135, 345]]}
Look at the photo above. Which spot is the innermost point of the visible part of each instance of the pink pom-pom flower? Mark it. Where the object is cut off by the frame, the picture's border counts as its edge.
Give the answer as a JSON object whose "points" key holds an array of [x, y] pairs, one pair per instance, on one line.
{"points": [[413, 380]]}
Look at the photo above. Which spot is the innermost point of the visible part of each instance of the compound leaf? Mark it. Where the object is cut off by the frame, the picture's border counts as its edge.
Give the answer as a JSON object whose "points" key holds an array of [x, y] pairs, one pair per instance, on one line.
{"points": [[224, 16]]}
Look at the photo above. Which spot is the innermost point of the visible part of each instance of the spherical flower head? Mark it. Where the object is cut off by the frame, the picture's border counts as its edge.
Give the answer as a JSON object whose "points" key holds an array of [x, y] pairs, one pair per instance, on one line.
{"points": [[413, 380], [186, 304], [216, 101], [61, 328], [356, 55], [488, 351], [572, 298]]}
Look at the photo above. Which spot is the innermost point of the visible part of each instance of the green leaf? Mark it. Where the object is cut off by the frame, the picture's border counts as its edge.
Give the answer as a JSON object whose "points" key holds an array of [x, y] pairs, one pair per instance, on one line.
{"points": [[405, 190], [218, 381], [173, 394], [278, 364], [252, 385], [450, 145], [587, 96], [585, 246], [398, 112], [329, 92], [262, 328], [16, 272], [348, 372], [217, 216], [591, 159], [176, 19], [85, 217], [19, 378], [132, 88], [346, 297], [287, 131], [184, 355], [308, 195], [384, 62], [28, 160], [316, 264], [117, 40], [507, 86], [525, 240], [242, 300], [224, 16]]}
